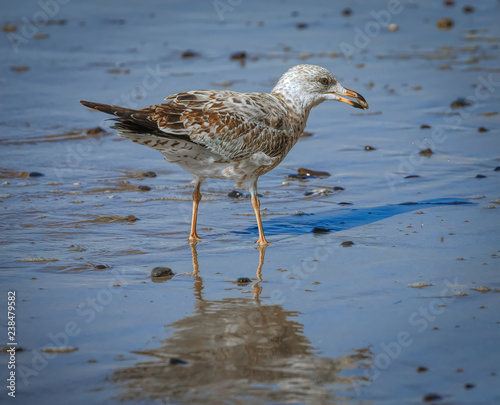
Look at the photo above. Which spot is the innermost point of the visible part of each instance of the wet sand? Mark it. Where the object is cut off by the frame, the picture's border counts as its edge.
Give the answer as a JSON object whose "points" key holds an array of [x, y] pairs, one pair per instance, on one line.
{"points": [[381, 285]]}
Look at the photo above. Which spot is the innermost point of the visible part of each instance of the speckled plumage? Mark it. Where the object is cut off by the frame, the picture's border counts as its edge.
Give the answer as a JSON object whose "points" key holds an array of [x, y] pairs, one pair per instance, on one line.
{"points": [[224, 134]]}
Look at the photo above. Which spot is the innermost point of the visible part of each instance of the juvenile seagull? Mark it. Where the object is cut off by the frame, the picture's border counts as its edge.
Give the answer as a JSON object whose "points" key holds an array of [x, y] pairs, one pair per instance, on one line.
{"points": [[221, 134]]}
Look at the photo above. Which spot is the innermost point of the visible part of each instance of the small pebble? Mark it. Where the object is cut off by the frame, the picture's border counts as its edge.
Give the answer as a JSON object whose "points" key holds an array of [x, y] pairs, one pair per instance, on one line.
{"points": [[432, 397], [100, 267], [420, 284], [162, 272], [468, 9], [480, 176], [243, 280], [426, 152], [393, 27], [496, 169], [469, 386], [19, 68], [369, 148], [347, 12], [318, 229], [189, 54], [424, 126], [449, 3], [460, 103], [345, 203], [9, 28], [301, 26], [144, 188], [149, 174], [298, 177], [444, 24], [482, 289], [412, 176], [235, 194], [62, 349], [482, 129], [338, 188], [422, 369], [36, 174], [347, 243], [238, 55], [311, 173]]}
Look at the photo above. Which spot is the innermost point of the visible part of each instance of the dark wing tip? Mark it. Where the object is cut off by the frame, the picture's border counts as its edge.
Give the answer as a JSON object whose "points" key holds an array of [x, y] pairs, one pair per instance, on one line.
{"points": [[88, 104]]}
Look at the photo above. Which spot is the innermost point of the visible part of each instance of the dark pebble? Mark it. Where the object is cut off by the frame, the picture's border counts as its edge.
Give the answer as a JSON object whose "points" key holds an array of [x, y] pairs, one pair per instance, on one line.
{"points": [[318, 229], [469, 386], [460, 103], [175, 361], [346, 12], [308, 193], [235, 194], [298, 177], [426, 152], [301, 26], [422, 369], [238, 55], [432, 397], [444, 24], [338, 188], [311, 173], [95, 131], [36, 174], [468, 9], [482, 129], [100, 267], [162, 272], [449, 3], [149, 174], [425, 126], [412, 176], [189, 54], [369, 148], [480, 176], [243, 280], [347, 243], [345, 203], [144, 188], [496, 169]]}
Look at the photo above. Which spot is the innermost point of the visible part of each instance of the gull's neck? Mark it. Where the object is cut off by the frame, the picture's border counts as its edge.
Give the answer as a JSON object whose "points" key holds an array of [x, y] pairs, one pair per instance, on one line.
{"points": [[294, 100]]}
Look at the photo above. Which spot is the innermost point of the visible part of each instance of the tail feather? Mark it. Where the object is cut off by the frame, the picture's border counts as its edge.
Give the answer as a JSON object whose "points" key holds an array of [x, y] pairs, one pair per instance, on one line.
{"points": [[125, 115]]}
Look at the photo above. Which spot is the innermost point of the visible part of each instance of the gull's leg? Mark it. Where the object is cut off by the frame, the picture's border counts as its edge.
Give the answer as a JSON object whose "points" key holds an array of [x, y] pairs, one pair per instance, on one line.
{"points": [[193, 236], [256, 207]]}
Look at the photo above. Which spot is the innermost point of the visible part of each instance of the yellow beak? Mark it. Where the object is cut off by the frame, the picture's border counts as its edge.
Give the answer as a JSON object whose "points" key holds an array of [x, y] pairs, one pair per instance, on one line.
{"points": [[360, 100]]}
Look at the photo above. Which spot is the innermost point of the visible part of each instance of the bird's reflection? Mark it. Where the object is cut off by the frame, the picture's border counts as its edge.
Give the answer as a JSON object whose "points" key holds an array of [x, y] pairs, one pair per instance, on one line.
{"points": [[238, 349]]}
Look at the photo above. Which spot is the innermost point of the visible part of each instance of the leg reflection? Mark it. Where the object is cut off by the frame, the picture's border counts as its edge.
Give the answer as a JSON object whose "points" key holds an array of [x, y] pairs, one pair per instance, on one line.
{"points": [[198, 284]]}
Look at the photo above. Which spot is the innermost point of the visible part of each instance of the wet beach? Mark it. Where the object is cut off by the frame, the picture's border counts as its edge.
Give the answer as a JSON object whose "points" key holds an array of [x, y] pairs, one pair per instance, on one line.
{"points": [[381, 284]]}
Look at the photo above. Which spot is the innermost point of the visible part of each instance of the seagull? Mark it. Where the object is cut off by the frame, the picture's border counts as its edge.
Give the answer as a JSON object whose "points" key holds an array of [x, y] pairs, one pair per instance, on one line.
{"points": [[223, 134]]}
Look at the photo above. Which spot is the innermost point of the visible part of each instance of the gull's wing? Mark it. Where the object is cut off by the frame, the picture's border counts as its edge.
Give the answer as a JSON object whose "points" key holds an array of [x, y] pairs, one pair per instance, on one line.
{"points": [[233, 125]]}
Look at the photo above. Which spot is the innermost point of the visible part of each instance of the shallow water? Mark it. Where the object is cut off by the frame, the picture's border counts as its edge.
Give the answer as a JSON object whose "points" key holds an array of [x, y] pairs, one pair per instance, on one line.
{"points": [[320, 321]]}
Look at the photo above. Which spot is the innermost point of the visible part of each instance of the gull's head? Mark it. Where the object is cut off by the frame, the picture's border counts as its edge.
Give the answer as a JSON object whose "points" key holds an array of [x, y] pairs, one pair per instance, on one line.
{"points": [[310, 85]]}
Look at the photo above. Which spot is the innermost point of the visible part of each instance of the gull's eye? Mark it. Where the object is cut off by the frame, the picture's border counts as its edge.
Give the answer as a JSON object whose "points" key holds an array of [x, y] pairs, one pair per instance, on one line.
{"points": [[324, 81]]}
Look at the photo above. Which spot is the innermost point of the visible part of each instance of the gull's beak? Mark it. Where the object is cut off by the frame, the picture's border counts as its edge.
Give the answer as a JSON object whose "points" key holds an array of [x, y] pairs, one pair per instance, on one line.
{"points": [[360, 100]]}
